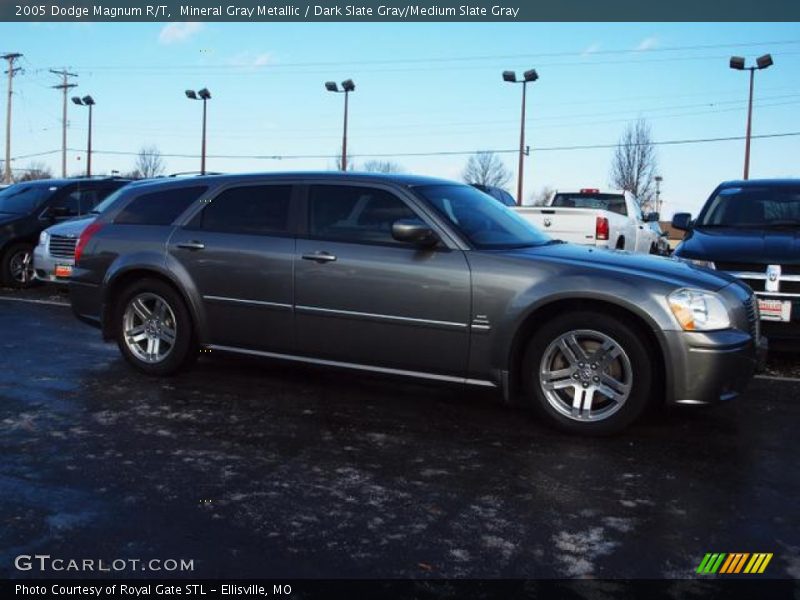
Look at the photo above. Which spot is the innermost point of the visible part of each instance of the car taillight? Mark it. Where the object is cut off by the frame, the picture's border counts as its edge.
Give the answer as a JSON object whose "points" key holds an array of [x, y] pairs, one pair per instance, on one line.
{"points": [[589, 191], [84, 239], [601, 228]]}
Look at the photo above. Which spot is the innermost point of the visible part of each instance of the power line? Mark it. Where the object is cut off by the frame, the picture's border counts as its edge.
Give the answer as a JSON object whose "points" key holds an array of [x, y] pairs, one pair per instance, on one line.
{"points": [[428, 60], [677, 142]]}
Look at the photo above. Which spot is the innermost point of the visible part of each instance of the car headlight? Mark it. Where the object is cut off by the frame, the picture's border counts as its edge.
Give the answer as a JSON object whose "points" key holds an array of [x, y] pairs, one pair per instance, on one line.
{"points": [[708, 264], [43, 237], [697, 310]]}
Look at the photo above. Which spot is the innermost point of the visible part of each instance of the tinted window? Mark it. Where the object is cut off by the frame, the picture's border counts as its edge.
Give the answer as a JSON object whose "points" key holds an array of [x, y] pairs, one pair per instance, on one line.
{"points": [[69, 203], [482, 220], [108, 201], [159, 208], [256, 209], [355, 214], [753, 207], [610, 202], [24, 198]]}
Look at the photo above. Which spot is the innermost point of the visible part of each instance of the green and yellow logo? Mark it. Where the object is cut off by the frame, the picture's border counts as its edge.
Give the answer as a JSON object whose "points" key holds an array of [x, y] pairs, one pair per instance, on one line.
{"points": [[734, 563]]}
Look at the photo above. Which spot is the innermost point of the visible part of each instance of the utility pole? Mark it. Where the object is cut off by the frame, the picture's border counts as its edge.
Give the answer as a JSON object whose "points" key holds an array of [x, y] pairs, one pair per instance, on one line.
{"points": [[65, 87], [11, 58]]}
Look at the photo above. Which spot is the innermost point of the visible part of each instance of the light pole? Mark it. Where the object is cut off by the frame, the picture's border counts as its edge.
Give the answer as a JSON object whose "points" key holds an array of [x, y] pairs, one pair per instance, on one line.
{"points": [[527, 77], [737, 63], [87, 101], [203, 95], [347, 87]]}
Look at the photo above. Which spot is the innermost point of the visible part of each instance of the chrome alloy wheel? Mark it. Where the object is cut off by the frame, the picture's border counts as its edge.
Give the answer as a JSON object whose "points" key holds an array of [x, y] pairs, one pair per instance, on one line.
{"points": [[21, 266], [585, 375], [149, 327]]}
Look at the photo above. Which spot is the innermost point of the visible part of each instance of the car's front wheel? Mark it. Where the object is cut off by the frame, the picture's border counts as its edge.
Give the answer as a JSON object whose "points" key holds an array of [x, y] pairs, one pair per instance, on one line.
{"points": [[153, 327], [17, 266], [588, 372]]}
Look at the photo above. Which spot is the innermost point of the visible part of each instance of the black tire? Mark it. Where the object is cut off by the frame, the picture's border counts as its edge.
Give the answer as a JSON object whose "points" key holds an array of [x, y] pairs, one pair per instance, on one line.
{"points": [[637, 361], [182, 351], [620, 244], [11, 254]]}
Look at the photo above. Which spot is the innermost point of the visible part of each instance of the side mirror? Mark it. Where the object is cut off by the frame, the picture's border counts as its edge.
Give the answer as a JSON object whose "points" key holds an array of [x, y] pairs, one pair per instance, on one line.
{"points": [[652, 217], [414, 231], [682, 221]]}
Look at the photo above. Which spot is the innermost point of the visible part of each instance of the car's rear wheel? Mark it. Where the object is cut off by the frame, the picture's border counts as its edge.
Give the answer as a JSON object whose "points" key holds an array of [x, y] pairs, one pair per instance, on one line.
{"points": [[588, 372], [153, 327], [17, 266]]}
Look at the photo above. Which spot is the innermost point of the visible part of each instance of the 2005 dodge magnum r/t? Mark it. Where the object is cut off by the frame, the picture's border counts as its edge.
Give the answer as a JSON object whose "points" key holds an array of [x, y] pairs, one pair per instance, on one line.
{"points": [[409, 276]]}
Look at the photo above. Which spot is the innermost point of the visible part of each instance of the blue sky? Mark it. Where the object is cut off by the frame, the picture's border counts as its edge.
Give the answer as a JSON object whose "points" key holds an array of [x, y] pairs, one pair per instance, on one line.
{"points": [[420, 88]]}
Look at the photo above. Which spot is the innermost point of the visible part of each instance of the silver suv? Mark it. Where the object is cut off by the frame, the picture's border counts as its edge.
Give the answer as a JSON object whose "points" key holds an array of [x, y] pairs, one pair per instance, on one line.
{"points": [[409, 276]]}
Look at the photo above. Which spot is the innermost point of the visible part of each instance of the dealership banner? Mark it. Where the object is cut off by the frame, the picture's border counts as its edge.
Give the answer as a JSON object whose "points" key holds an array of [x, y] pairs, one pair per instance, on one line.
{"points": [[400, 10], [422, 589]]}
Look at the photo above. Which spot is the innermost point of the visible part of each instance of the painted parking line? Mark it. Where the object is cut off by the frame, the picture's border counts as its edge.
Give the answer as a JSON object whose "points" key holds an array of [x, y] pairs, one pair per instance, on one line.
{"points": [[34, 301]]}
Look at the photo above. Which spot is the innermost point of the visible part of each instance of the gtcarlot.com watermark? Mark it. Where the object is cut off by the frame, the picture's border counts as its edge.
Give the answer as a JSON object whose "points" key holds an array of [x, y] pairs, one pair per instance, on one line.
{"points": [[44, 563]]}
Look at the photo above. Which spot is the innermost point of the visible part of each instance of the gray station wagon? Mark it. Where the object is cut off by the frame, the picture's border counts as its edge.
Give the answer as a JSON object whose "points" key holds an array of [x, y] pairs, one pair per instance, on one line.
{"points": [[411, 276]]}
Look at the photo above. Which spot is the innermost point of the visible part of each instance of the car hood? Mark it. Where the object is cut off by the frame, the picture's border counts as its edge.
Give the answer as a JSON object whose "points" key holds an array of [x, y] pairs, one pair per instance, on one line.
{"points": [[760, 246], [643, 266], [10, 217], [73, 227]]}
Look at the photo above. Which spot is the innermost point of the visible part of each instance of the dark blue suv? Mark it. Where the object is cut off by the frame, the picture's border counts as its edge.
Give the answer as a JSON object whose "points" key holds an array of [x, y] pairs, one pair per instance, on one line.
{"points": [[751, 230], [28, 208]]}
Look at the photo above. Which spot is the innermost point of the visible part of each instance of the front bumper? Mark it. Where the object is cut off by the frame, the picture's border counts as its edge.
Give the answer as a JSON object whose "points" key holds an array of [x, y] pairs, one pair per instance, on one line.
{"points": [[711, 367], [44, 265]]}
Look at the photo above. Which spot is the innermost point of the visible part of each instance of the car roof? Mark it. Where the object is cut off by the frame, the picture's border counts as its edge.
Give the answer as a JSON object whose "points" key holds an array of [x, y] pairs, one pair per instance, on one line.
{"points": [[402, 179], [785, 182], [61, 181]]}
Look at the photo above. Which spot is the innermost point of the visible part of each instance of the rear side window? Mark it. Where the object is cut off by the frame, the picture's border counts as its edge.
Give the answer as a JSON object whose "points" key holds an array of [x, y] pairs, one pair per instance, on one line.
{"points": [[610, 202], [159, 208], [253, 210], [355, 214]]}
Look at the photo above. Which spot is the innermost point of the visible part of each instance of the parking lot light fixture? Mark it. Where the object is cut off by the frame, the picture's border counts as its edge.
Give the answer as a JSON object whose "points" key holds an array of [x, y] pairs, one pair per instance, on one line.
{"points": [[203, 95], [528, 76], [347, 86], [87, 101], [738, 63]]}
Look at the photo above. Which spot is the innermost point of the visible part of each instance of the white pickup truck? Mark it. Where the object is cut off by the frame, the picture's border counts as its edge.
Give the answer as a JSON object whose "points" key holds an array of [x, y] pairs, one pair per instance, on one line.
{"points": [[595, 218]]}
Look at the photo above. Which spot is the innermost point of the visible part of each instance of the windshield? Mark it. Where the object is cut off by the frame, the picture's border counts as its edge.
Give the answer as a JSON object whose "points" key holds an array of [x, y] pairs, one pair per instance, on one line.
{"points": [[610, 202], [486, 223], [110, 199], [753, 207], [23, 198]]}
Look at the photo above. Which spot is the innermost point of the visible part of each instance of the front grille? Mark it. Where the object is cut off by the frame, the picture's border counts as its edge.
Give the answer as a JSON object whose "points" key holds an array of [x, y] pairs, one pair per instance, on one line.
{"points": [[741, 267], [62, 246], [757, 285], [753, 317]]}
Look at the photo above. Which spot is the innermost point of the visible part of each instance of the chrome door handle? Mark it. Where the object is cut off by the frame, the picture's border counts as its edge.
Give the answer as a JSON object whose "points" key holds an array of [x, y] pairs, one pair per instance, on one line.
{"points": [[320, 257], [192, 245]]}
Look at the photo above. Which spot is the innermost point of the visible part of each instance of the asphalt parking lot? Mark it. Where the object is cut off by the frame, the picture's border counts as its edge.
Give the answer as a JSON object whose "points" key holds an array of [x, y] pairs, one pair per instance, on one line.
{"points": [[262, 469]]}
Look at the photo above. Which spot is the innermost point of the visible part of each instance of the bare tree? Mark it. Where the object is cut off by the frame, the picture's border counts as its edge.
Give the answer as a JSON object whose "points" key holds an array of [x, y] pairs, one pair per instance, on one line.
{"points": [[541, 197], [382, 166], [635, 163], [149, 163], [351, 165], [34, 170], [486, 168]]}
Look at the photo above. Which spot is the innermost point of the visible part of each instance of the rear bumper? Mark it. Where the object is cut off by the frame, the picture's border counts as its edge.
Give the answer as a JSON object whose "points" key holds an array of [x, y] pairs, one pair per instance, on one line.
{"points": [[712, 367], [85, 300]]}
